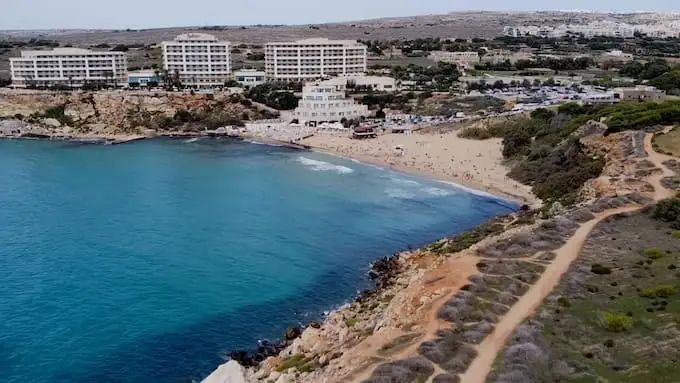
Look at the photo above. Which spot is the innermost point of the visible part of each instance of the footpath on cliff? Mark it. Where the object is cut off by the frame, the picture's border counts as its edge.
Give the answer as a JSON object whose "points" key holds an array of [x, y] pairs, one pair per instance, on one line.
{"points": [[445, 319]]}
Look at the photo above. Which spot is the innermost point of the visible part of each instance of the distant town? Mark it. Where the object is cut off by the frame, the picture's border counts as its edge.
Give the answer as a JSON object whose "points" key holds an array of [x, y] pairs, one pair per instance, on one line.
{"points": [[320, 79]]}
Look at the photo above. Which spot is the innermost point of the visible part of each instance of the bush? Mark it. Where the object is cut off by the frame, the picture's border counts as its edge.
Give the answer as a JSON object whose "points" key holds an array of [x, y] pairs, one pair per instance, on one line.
{"points": [[616, 322], [475, 133], [600, 270], [665, 291], [564, 302], [655, 253], [294, 361], [668, 211]]}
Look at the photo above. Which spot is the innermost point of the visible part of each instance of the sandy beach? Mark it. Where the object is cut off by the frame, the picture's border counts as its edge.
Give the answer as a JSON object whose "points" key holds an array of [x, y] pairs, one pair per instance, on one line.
{"points": [[473, 163]]}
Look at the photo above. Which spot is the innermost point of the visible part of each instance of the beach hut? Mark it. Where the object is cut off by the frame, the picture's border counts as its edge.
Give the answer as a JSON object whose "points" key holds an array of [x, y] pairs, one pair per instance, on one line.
{"points": [[364, 132]]}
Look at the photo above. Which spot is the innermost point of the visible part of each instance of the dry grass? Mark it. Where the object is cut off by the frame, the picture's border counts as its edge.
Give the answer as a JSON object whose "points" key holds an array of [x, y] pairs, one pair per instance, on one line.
{"points": [[669, 143]]}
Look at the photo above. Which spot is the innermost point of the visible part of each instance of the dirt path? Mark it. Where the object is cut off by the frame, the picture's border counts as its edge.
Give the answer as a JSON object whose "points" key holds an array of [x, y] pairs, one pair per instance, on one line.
{"points": [[655, 179], [452, 275], [525, 307]]}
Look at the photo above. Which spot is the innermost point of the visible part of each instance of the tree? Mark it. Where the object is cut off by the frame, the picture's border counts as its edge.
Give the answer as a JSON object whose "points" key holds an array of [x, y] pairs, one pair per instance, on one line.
{"points": [[380, 114], [632, 69], [120, 48], [108, 76], [176, 79]]}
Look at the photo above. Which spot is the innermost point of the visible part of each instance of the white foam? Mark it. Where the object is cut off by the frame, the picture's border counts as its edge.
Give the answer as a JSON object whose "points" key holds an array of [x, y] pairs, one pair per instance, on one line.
{"points": [[261, 143], [437, 192], [191, 140], [399, 193], [404, 181], [478, 192], [321, 166]]}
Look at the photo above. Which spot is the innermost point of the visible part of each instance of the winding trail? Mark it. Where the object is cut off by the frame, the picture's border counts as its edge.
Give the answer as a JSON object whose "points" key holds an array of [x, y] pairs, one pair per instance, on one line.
{"points": [[493, 344]]}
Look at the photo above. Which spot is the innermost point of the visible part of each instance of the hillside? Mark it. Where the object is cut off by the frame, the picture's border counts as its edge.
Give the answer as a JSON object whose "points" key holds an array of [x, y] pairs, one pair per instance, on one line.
{"points": [[123, 113]]}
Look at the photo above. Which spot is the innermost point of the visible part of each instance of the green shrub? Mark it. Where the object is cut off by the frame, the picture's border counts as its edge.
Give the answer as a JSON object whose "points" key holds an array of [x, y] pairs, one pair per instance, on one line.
{"points": [[351, 322], [600, 270], [294, 361], [665, 291], [475, 133], [564, 302], [676, 234], [668, 211], [469, 238], [616, 322], [655, 253]]}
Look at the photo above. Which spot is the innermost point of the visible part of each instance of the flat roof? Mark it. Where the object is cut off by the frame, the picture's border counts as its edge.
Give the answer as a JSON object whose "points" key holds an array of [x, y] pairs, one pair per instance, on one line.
{"points": [[195, 37], [67, 52], [317, 41]]}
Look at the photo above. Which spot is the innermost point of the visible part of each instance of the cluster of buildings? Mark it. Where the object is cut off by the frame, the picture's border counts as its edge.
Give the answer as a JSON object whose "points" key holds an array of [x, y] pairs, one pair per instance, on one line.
{"points": [[193, 59], [598, 28], [470, 59]]}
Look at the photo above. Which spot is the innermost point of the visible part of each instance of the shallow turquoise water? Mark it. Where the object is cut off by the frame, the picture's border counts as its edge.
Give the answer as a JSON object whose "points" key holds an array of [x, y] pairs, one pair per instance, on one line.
{"points": [[148, 262]]}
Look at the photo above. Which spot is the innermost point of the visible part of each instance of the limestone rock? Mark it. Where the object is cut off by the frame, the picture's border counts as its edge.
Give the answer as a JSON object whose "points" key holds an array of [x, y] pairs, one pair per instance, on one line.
{"points": [[230, 372], [274, 376], [51, 122]]}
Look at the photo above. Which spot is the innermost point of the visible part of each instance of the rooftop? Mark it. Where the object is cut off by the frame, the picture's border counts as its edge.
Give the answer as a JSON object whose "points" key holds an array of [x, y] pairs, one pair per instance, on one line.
{"points": [[195, 37], [66, 52], [317, 40]]}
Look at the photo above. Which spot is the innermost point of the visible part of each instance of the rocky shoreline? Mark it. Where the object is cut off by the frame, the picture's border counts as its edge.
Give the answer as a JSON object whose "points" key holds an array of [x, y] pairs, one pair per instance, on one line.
{"points": [[327, 347], [383, 273]]}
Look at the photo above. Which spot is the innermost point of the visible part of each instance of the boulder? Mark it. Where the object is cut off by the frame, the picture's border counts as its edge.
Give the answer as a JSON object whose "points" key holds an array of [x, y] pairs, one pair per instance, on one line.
{"points": [[230, 372], [51, 122]]}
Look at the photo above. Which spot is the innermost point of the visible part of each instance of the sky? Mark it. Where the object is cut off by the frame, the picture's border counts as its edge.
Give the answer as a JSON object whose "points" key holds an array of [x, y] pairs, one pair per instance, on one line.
{"points": [[135, 14]]}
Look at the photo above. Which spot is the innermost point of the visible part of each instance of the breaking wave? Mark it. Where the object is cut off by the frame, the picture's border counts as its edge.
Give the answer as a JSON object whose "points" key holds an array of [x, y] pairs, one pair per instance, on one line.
{"points": [[321, 166]]}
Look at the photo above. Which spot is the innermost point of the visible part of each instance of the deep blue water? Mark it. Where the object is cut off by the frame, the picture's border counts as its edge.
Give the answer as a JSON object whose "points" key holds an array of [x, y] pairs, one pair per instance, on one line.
{"points": [[148, 262]]}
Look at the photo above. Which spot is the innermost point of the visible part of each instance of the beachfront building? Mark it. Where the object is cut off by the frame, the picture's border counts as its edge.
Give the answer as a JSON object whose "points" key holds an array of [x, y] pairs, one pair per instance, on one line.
{"points": [[198, 59], [250, 77], [72, 67], [501, 55], [461, 59], [323, 102], [143, 78], [640, 93], [313, 59], [617, 56], [376, 83]]}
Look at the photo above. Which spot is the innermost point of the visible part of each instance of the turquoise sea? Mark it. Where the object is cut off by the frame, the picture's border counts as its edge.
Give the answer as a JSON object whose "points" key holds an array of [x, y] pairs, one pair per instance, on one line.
{"points": [[148, 262]]}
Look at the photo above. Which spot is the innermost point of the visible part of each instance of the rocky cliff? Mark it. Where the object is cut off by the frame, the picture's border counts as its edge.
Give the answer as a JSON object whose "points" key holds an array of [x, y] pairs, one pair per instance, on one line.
{"points": [[125, 113]]}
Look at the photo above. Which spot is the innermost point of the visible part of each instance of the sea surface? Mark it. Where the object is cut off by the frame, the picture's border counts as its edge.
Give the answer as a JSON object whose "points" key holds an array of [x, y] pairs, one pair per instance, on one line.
{"points": [[150, 261]]}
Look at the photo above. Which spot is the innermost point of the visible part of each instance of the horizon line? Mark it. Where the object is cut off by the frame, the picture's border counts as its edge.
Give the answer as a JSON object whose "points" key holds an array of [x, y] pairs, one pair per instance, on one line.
{"points": [[227, 26]]}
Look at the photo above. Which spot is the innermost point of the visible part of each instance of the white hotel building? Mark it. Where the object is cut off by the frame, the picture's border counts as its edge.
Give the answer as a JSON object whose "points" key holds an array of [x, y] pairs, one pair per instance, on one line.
{"points": [[200, 59], [327, 102], [311, 59], [68, 66]]}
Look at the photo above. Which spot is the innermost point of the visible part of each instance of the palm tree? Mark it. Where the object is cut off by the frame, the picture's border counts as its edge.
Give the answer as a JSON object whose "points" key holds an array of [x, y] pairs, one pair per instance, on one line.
{"points": [[108, 75], [176, 81]]}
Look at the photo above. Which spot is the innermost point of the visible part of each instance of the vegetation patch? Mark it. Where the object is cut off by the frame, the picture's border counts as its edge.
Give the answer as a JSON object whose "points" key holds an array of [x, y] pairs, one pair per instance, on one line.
{"points": [[622, 326], [655, 253], [665, 291], [616, 322], [668, 142], [296, 361]]}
